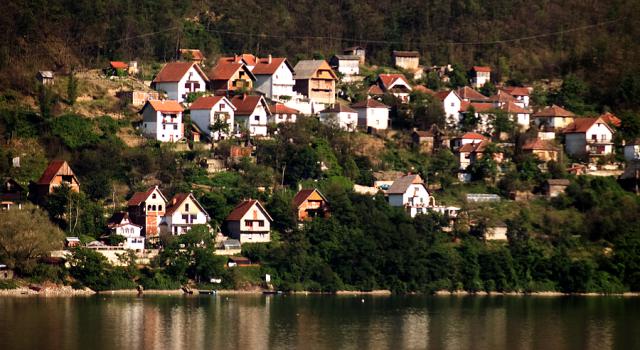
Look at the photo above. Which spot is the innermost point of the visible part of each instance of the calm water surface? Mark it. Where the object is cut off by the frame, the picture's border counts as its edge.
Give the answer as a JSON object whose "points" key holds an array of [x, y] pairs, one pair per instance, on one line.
{"points": [[320, 322]]}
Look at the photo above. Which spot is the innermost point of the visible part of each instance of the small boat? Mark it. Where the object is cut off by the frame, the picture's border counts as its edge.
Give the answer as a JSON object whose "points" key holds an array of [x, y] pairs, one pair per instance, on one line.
{"points": [[271, 292], [207, 291]]}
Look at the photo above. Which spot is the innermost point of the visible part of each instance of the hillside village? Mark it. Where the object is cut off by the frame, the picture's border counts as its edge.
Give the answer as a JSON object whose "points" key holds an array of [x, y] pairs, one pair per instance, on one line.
{"points": [[233, 118]]}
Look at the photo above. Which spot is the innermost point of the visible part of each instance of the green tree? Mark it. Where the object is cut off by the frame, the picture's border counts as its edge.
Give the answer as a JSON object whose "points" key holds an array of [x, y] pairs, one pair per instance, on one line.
{"points": [[488, 89], [72, 88]]}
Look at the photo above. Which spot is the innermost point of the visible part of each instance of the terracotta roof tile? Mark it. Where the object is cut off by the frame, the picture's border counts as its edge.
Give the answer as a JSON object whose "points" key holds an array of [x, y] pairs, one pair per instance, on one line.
{"points": [[263, 67], [224, 71], [611, 119], [206, 102], [246, 104], [172, 72], [581, 125], [467, 93], [243, 208], [369, 103], [538, 144], [424, 90], [118, 65], [338, 108], [553, 111], [388, 79], [516, 90], [280, 108], [194, 53], [170, 106], [473, 136], [481, 69], [375, 90], [302, 195]]}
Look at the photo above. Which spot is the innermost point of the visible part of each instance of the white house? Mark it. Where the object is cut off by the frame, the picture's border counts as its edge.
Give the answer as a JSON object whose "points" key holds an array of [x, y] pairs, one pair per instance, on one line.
{"points": [[356, 51], [395, 84], [178, 79], [632, 150], [120, 224], [206, 110], [480, 75], [520, 93], [252, 112], [249, 222], [183, 211], [591, 137], [162, 120], [467, 138], [451, 103], [283, 114], [274, 78], [372, 114], [410, 193], [347, 65], [344, 116]]}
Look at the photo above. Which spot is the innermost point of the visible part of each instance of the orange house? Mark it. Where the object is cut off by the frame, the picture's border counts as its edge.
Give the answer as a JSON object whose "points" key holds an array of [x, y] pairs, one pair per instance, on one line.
{"points": [[58, 173], [230, 77], [310, 203]]}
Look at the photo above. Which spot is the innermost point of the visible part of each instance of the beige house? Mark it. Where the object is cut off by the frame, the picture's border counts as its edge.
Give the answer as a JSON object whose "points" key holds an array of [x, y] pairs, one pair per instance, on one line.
{"points": [[309, 204], [545, 150], [554, 117], [316, 80], [249, 222], [409, 60]]}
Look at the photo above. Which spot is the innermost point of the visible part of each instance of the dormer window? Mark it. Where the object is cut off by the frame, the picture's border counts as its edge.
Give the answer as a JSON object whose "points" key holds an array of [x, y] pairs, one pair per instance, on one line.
{"points": [[153, 196]]}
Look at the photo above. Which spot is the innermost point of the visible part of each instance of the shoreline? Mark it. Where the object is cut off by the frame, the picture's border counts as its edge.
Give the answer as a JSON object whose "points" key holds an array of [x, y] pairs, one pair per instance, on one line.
{"points": [[67, 291]]}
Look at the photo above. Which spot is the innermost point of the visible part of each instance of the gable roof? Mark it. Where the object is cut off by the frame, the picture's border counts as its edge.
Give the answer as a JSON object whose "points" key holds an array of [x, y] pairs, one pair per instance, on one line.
{"points": [[611, 119], [512, 107], [442, 95], [538, 144], [243, 208], [401, 184], [177, 201], [473, 136], [305, 69], [118, 65], [208, 102], [247, 58], [389, 79], [369, 103], [225, 71], [169, 106], [194, 53], [553, 111], [477, 147], [302, 196], [52, 170], [264, 67], [140, 197], [172, 72], [375, 90], [280, 108], [338, 108], [582, 125], [424, 90], [516, 90], [347, 57], [8, 182], [481, 69], [502, 96], [246, 104], [406, 53], [479, 107], [467, 93]]}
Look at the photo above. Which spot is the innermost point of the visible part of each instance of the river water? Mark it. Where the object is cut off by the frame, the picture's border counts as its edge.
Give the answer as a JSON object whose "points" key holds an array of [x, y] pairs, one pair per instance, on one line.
{"points": [[320, 322]]}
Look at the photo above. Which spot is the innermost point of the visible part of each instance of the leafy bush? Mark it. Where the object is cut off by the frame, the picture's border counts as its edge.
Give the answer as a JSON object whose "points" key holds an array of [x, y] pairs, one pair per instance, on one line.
{"points": [[8, 284], [74, 131]]}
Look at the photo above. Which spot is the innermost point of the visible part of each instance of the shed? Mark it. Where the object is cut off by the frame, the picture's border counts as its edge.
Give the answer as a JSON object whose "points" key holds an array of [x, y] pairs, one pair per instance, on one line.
{"points": [[231, 244], [555, 187], [45, 77], [238, 261]]}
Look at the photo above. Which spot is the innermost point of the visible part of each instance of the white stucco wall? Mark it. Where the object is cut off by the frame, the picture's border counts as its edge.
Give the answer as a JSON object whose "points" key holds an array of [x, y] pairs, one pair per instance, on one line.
{"points": [[154, 127], [204, 118], [377, 118]]}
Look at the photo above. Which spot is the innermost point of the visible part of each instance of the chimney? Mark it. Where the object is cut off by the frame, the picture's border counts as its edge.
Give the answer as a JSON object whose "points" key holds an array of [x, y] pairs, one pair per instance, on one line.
{"points": [[235, 57], [269, 59]]}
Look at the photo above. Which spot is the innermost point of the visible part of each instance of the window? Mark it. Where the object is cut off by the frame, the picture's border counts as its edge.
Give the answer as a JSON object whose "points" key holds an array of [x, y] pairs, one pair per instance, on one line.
{"points": [[164, 126], [149, 207], [222, 106], [261, 223], [256, 118], [153, 196], [175, 126], [153, 207], [185, 218], [186, 207], [248, 223], [192, 219], [160, 207]]}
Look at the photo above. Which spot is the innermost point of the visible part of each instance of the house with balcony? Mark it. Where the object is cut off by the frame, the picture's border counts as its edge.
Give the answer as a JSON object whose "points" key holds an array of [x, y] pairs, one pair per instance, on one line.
{"points": [[207, 110], [162, 120], [146, 209], [280, 113], [410, 193], [274, 78], [120, 224], [183, 212], [249, 222], [480, 75], [252, 113], [588, 137], [57, 173], [554, 117], [179, 79], [342, 116], [316, 80], [309, 204], [230, 78]]}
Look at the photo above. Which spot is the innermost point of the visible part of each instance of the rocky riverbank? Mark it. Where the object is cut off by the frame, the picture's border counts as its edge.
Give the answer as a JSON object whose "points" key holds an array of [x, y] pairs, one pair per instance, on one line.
{"points": [[49, 290]]}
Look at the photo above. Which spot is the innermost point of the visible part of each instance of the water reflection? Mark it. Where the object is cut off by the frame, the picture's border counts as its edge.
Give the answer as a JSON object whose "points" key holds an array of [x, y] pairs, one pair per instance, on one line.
{"points": [[319, 322]]}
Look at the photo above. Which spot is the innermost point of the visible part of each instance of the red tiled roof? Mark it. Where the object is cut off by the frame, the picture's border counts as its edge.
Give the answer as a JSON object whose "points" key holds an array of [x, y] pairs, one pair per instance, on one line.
{"points": [[441, 95], [176, 201], [424, 89], [248, 58], [140, 197], [224, 71], [516, 90], [581, 125], [280, 108], [206, 102], [511, 107], [375, 90], [537, 144], [194, 53], [51, 171], [482, 69], [477, 147], [369, 103], [388, 79], [467, 93], [171, 106], [479, 107], [241, 209], [473, 136], [611, 119], [246, 104], [553, 111], [302, 195], [338, 108], [118, 65], [172, 72], [263, 67], [502, 96]]}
